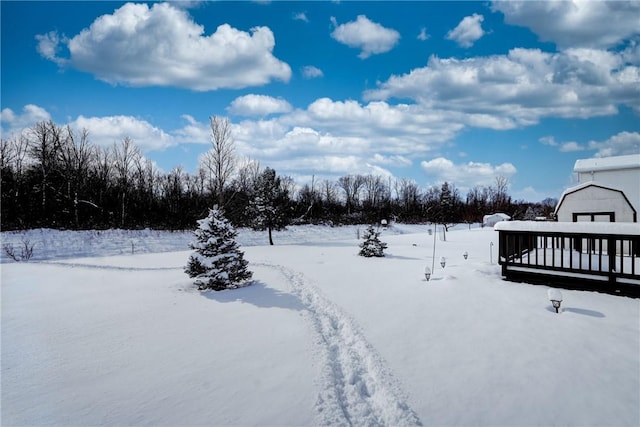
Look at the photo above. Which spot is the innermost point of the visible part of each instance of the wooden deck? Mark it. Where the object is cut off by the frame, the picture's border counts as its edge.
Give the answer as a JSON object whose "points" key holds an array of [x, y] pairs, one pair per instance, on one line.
{"points": [[603, 257]]}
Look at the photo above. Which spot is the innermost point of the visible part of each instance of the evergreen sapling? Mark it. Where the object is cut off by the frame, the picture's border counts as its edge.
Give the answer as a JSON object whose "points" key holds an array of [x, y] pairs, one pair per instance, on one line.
{"points": [[372, 246], [217, 262]]}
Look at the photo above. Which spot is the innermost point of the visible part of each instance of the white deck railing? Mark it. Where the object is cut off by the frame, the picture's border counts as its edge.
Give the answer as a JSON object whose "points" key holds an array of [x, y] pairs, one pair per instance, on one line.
{"points": [[601, 256]]}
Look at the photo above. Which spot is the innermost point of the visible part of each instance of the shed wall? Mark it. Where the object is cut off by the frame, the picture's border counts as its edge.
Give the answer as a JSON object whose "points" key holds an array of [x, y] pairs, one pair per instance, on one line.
{"points": [[627, 180], [594, 200]]}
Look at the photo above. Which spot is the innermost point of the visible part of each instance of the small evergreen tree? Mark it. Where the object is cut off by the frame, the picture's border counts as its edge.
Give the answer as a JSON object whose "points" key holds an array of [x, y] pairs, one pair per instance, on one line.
{"points": [[269, 204], [372, 246], [217, 262]]}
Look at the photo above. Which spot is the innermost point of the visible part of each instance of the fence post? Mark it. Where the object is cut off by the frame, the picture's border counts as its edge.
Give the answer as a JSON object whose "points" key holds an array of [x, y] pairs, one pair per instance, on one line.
{"points": [[612, 249]]}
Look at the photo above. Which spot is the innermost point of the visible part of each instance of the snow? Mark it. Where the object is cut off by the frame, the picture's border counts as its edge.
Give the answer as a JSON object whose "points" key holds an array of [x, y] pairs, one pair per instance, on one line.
{"points": [[490, 220], [554, 295], [322, 337], [624, 228], [581, 186], [630, 161]]}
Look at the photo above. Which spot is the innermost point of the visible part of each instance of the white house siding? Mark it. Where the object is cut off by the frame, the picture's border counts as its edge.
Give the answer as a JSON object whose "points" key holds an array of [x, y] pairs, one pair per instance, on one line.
{"points": [[619, 172], [594, 199]]}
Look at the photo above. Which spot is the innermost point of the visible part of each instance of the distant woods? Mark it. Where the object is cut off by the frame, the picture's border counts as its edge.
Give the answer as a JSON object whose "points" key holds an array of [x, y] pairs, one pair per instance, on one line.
{"points": [[54, 177]]}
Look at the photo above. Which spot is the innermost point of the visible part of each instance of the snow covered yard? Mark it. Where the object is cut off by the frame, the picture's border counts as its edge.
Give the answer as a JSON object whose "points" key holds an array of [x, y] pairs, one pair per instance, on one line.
{"points": [[323, 337]]}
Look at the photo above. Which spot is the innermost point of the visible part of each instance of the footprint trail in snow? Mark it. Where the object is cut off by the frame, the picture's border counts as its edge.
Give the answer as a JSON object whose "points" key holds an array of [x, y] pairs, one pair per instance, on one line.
{"points": [[357, 388]]}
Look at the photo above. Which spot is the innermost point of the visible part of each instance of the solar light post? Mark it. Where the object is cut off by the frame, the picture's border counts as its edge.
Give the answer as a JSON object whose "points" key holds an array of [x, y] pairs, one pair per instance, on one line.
{"points": [[465, 254], [555, 296], [443, 261], [427, 273], [433, 257], [491, 253]]}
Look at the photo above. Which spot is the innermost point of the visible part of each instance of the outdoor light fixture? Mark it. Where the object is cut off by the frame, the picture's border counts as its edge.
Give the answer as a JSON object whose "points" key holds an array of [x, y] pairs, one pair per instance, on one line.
{"points": [[491, 253], [465, 254], [443, 261], [427, 273], [555, 296]]}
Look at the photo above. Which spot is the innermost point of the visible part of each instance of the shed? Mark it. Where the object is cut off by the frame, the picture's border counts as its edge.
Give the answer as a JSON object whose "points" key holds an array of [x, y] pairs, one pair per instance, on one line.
{"points": [[617, 172], [493, 219], [594, 202]]}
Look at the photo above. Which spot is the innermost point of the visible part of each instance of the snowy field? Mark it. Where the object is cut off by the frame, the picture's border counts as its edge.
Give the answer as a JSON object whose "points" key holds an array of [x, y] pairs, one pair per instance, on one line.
{"points": [[93, 335]]}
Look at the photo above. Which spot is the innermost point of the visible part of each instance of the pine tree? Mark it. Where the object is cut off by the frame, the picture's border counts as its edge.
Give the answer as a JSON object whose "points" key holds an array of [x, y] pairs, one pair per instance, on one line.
{"points": [[372, 246], [217, 262], [269, 203]]}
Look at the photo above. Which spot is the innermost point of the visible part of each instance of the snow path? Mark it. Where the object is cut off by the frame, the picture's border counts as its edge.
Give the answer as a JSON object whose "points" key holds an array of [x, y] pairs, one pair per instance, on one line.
{"points": [[357, 387], [105, 267]]}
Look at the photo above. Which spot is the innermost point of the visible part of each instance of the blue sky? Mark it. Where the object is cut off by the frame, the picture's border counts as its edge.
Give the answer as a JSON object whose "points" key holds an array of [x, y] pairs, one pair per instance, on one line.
{"points": [[431, 91]]}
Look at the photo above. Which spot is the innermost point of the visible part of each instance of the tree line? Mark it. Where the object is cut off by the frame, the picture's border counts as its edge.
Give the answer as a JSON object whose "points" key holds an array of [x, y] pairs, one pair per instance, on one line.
{"points": [[53, 176]]}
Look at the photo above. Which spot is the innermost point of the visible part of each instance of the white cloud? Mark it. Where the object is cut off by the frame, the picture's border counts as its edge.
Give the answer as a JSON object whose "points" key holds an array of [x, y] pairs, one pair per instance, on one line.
{"points": [[571, 146], [565, 147], [575, 22], [391, 160], [468, 31], [620, 144], [301, 16], [423, 34], [161, 45], [531, 194], [258, 105], [49, 46], [405, 128], [310, 72], [336, 138], [465, 175], [520, 88], [193, 132], [548, 140], [186, 4], [371, 37], [15, 123], [105, 131]]}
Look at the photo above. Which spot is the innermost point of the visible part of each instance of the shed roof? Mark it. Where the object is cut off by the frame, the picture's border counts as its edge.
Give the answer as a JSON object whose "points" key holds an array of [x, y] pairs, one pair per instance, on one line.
{"points": [[498, 214], [590, 184], [603, 228], [630, 161]]}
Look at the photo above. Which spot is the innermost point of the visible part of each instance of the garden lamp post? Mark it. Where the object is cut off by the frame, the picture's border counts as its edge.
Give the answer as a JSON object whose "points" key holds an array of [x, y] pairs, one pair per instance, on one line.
{"points": [[555, 296]]}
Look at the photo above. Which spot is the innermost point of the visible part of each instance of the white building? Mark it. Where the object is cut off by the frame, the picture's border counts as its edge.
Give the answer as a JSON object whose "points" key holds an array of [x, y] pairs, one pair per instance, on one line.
{"points": [[594, 202], [493, 219], [608, 190]]}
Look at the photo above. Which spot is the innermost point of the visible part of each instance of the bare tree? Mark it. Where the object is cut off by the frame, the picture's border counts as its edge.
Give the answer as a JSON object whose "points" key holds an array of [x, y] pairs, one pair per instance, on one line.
{"points": [[374, 190], [408, 193], [200, 180], [220, 160], [76, 154], [173, 187], [329, 191], [500, 198], [101, 171], [288, 185], [247, 176], [308, 196], [124, 158], [12, 160], [351, 185], [44, 146], [7, 154]]}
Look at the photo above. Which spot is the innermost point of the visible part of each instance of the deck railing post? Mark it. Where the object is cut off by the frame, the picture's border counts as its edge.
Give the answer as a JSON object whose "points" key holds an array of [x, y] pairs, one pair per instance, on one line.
{"points": [[611, 249]]}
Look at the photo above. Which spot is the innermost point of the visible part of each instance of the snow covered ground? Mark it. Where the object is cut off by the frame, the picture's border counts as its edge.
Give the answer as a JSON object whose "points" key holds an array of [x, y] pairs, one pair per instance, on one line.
{"points": [[323, 336]]}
